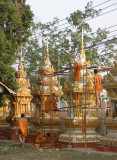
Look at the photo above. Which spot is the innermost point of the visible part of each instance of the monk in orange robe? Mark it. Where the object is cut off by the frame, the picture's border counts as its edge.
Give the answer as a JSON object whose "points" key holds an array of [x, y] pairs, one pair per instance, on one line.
{"points": [[98, 87], [23, 128], [42, 138], [77, 68], [51, 103]]}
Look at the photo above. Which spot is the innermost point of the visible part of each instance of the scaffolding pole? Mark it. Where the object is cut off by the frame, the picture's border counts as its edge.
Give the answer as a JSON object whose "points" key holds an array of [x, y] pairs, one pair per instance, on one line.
{"points": [[70, 105], [51, 113], [71, 97], [42, 107], [85, 107]]}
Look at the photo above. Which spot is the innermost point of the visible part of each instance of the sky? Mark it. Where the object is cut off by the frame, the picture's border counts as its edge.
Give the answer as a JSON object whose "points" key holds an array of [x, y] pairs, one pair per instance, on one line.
{"points": [[46, 10]]}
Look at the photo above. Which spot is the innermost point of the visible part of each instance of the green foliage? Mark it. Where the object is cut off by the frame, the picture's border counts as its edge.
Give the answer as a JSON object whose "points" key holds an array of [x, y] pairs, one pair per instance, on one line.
{"points": [[64, 45], [3, 98], [14, 30], [15, 22]]}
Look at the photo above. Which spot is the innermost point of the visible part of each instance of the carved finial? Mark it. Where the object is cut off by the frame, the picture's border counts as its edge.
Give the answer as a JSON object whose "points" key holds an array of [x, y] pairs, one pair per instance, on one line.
{"points": [[82, 34], [20, 64], [21, 55], [82, 54], [21, 1], [82, 43], [47, 54]]}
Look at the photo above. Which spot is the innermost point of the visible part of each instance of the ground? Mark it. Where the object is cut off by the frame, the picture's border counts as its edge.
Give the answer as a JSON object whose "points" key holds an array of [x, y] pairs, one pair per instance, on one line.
{"points": [[14, 151]]}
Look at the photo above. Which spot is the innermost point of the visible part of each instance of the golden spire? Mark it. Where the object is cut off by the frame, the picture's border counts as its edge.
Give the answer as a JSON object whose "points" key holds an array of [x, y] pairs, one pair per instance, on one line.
{"points": [[82, 43], [20, 64], [47, 54], [47, 68], [21, 55], [82, 53]]}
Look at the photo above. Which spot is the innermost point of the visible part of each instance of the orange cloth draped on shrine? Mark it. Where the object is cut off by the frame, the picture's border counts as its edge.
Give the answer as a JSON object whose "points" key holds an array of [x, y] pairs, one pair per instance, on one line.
{"points": [[50, 104], [23, 126], [40, 140], [77, 68], [98, 85]]}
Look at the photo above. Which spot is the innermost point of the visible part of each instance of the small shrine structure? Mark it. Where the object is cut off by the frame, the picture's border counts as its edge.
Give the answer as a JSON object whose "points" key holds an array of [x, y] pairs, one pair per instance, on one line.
{"points": [[83, 122], [110, 84], [4, 111], [46, 85], [21, 104]]}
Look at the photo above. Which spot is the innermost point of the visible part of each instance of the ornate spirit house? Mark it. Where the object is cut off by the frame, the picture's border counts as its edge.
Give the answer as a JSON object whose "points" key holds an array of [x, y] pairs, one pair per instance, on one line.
{"points": [[81, 132], [23, 97], [110, 84]]}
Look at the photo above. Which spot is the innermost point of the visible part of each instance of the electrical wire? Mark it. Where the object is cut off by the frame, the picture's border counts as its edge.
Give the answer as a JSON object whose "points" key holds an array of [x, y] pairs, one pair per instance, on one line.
{"points": [[96, 32], [84, 11], [100, 55], [84, 20], [103, 39], [92, 46], [89, 8]]}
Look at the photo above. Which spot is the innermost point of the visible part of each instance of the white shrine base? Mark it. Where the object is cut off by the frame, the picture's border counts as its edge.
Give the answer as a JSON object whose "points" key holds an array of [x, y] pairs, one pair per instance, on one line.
{"points": [[76, 136]]}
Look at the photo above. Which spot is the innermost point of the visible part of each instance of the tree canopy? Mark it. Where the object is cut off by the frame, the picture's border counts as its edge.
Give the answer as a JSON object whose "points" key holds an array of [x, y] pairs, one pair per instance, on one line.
{"points": [[15, 21], [64, 44]]}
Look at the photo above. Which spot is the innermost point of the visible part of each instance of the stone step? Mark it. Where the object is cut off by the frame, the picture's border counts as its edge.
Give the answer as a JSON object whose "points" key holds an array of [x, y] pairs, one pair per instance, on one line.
{"points": [[62, 145], [113, 148], [3, 137], [103, 148]]}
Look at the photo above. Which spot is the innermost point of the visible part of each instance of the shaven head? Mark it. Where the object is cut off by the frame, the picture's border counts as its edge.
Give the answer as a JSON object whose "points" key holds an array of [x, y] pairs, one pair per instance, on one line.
{"points": [[22, 115], [48, 134], [53, 95], [95, 71]]}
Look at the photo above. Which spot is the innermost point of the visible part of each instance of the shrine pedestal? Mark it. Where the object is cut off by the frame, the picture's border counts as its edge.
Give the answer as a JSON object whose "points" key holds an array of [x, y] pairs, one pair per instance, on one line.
{"points": [[111, 137], [76, 136]]}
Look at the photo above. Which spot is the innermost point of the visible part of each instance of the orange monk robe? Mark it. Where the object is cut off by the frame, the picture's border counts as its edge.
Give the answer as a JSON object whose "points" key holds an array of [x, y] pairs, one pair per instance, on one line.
{"points": [[37, 139], [23, 126], [98, 85], [40, 140], [77, 68], [54, 104], [50, 104]]}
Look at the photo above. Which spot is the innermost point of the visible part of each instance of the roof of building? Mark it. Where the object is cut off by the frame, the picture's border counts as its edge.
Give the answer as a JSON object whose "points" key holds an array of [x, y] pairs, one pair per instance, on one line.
{"points": [[8, 89]]}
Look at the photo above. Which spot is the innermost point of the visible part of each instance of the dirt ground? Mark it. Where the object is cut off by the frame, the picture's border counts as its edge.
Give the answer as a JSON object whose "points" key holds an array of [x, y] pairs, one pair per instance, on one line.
{"points": [[12, 150]]}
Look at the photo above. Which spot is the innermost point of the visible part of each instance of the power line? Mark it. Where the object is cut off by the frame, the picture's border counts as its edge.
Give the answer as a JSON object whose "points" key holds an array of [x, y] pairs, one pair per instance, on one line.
{"points": [[100, 55], [101, 44], [103, 13], [86, 47], [88, 19], [90, 8], [101, 47], [84, 11], [84, 21], [104, 29], [104, 38], [96, 32], [64, 69], [93, 46]]}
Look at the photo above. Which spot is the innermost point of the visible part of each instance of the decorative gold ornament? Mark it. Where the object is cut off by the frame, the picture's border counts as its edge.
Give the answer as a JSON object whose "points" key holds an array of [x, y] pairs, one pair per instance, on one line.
{"points": [[23, 97], [46, 85]]}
